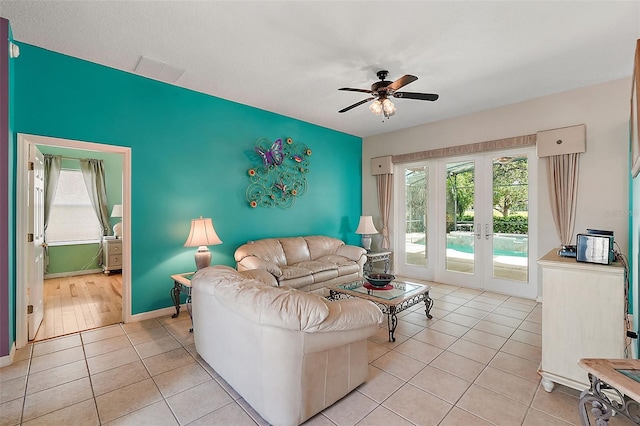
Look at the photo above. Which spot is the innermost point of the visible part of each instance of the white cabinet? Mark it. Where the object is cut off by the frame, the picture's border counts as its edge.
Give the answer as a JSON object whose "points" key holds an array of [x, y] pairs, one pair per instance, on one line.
{"points": [[583, 316], [111, 255]]}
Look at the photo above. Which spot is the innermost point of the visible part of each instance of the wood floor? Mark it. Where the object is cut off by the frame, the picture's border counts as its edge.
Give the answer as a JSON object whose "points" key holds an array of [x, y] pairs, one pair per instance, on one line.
{"points": [[82, 302]]}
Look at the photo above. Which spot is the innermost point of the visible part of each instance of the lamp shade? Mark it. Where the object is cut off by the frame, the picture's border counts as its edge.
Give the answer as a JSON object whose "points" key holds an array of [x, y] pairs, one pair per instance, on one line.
{"points": [[117, 210], [202, 234], [366, 226]]}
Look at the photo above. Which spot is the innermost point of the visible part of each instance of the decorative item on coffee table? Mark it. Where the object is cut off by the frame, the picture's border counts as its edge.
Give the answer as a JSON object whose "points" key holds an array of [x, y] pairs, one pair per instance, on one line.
{"points": [[379, 281]]}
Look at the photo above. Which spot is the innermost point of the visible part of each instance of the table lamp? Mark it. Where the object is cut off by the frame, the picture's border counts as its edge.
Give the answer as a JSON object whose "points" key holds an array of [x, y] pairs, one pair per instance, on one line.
{"points": [[366, 228], [117, 228], [202, 235]]}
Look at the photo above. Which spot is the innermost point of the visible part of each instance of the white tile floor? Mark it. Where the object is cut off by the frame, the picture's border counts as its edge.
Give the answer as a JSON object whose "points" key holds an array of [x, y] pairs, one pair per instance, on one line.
{"points": [[475, 363]]}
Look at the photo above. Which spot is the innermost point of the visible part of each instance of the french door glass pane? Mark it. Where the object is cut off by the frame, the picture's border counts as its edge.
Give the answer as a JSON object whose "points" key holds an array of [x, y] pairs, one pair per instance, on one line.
{"points": [[460, 253], [416, 197], [510, 218]]}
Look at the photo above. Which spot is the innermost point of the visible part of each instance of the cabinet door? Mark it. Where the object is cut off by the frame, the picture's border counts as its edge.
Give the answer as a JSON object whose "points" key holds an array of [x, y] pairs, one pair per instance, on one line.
{"points": [[583, 312]]}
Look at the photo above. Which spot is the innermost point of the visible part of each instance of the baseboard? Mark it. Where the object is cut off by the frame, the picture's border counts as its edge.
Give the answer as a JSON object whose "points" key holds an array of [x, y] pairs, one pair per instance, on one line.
{"points": [[8, 359], [157, 313], [539, 299], [72, 273]]}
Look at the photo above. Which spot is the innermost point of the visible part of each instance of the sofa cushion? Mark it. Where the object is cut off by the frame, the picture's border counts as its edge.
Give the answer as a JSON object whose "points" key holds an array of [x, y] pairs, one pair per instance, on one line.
{"points": [[295, 250], [291, 272], [321, 246], [344, 265], [323, 276], [268, 249], [277, 307], [317, 266]]}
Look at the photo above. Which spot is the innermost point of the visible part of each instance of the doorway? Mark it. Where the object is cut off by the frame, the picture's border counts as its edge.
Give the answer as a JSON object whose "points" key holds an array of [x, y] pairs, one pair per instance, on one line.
{"points": [[469, 221], [23, 209]]}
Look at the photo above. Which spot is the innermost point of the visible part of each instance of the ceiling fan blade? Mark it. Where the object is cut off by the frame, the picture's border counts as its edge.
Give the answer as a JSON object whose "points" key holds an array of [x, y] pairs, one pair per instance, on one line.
{"points": [[356, 90], [419, 96], [357, 104], [402, 81]]}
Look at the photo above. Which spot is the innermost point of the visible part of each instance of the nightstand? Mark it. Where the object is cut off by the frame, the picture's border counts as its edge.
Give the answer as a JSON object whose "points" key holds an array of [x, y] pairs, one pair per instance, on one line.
{"points": [[111, 255], [378, 256], [182, 285]]}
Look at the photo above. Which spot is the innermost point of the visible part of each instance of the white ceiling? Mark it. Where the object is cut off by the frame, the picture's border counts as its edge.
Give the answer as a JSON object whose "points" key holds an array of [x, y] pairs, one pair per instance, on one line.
{"points": [[291, 57]]}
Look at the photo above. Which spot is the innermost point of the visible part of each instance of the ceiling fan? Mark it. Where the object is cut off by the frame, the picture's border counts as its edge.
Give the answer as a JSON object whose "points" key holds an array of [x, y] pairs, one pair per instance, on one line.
{"points": [[383, 89]]}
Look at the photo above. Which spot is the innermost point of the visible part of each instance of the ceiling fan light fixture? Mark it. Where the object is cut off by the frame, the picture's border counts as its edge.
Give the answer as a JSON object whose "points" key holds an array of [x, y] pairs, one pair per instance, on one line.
{"points": [[376, 107], [388, 108]]}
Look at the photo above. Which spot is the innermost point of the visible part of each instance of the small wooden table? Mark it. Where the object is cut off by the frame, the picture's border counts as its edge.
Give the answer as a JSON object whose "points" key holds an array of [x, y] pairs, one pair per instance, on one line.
{"points": [[182, 285], [620, 378]]}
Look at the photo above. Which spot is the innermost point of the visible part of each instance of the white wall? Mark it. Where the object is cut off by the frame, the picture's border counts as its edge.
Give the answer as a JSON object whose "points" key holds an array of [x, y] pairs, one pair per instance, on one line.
{"points": [[603, 189]]}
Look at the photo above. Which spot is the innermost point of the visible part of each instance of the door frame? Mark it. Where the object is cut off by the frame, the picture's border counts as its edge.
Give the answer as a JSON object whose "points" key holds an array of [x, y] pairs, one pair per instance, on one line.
{"points": [[424, 272], [434, 271], [22, 225]]}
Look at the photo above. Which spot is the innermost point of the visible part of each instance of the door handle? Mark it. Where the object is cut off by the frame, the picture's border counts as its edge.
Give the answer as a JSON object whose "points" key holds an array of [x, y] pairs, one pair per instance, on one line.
{"points": [[478, 231], [487, 234]]}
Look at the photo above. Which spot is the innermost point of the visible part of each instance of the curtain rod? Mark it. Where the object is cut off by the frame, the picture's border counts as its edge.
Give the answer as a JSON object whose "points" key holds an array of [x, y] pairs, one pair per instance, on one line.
{"points": [[70, 158]]}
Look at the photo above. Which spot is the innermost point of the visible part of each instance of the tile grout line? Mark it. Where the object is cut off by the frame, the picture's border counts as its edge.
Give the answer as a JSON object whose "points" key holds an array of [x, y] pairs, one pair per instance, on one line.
{"points": [[86, 363]]}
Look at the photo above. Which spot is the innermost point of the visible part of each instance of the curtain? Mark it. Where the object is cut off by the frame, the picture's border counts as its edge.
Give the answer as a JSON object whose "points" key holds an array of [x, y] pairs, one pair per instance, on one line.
{"points": [[562, 173], [93, 175], [384, 184], [52, 166]]}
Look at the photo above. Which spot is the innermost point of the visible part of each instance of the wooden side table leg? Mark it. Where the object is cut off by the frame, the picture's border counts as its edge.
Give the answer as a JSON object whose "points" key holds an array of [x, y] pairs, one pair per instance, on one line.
{"points": [[175, 296]]}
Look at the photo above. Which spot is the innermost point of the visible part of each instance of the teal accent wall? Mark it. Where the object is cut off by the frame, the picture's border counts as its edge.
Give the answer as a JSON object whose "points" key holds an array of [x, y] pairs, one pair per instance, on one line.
{"points": [[81, 257], [190, 155]]}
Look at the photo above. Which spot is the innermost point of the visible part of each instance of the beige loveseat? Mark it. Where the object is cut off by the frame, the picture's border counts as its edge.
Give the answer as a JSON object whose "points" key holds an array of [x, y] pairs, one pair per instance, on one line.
{"points": [[304, 263], [288, 353]]}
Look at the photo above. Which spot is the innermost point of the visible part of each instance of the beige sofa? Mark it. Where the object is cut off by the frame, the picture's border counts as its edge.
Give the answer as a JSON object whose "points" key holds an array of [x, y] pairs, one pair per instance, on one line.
{"points": [[304, 263], [288, 353]]}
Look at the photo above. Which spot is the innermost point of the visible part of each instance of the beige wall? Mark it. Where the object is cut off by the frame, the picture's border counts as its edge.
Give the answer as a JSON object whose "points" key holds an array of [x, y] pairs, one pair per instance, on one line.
{"points": [[603, 191]]}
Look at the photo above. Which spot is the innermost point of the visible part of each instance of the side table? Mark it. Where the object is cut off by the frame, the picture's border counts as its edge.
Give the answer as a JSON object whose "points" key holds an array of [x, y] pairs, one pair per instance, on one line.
{"points": [[378, 256], [614, 390], [182, 285]]}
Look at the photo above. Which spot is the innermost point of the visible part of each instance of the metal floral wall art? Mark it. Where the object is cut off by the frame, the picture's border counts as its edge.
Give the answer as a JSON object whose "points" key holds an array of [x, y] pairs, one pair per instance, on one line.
{"points": [[280, 175]]}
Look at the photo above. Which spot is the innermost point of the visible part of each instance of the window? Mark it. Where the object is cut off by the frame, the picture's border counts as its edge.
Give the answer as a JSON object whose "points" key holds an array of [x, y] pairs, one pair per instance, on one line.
{"points": [[72, 218]]}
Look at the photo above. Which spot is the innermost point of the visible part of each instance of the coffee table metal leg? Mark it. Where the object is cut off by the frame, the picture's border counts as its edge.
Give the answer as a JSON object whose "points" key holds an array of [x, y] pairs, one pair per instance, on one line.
{"points": [[428, 304], [392, 322]]}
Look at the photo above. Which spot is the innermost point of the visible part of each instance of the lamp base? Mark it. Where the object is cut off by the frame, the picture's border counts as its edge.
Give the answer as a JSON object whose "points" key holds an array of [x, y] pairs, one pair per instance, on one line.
{"points": [[117, 230], [366, 242], [203, 257]]}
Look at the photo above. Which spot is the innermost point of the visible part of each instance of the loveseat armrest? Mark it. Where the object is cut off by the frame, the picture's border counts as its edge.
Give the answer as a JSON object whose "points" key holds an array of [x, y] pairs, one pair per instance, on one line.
{"points": [[349, 314], [254, 262], [354, 253], [261, 275]]}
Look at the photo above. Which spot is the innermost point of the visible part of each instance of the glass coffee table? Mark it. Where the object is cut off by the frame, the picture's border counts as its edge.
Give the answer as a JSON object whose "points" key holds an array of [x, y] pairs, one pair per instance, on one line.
{"points": [[401, 296]]}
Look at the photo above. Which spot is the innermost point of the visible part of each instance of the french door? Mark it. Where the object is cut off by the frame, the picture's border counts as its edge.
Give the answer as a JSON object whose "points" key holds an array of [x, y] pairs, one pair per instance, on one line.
{"points": [[468, 221]]}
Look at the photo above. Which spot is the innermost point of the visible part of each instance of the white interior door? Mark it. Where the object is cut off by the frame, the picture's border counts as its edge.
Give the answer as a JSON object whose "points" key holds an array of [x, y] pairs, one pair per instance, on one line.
{"points": [[35, 279]]}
